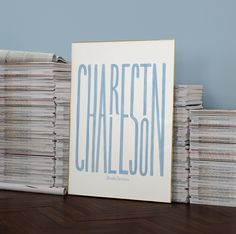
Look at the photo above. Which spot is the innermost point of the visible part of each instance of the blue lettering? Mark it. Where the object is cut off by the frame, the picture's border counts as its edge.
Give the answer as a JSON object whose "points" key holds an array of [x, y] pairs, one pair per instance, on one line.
{"points": [[79, 167], [122, 117], [102, 115]]}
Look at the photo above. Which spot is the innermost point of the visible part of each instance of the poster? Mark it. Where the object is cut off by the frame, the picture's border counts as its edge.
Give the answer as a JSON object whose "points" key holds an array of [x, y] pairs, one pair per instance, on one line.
{"points": [[122, 119]]}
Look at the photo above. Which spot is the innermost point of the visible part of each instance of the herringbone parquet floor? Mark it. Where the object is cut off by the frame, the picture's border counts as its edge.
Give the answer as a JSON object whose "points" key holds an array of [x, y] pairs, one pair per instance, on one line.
{"points": [[23, 213]]}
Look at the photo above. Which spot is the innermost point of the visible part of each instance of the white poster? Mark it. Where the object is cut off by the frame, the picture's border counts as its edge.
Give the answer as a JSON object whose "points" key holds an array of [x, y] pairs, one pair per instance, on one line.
{"points": [[122, 119]]}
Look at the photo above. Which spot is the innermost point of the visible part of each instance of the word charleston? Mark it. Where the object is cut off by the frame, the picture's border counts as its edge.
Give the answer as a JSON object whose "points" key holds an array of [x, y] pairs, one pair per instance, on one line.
{"points": [[121, 120]]}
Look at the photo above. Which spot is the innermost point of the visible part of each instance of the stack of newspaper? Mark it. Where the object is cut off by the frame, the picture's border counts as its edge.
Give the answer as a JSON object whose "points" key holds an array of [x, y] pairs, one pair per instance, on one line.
{"points": [[187, 97], [213, 157], [34, 96], [62, 100]]}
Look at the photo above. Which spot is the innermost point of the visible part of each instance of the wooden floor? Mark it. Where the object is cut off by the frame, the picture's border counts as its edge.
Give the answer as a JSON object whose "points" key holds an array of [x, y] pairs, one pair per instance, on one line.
{"points": [[35, 213]]}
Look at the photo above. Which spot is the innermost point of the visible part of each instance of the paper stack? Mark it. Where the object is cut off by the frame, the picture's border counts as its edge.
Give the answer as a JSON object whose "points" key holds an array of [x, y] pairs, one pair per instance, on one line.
{"points": [[213, 157], [62, 100], [33, 107], [187, 97]]}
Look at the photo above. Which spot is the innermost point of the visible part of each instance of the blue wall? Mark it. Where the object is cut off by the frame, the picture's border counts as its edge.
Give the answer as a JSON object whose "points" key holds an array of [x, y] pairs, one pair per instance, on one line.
{"points": [[204, 30]]}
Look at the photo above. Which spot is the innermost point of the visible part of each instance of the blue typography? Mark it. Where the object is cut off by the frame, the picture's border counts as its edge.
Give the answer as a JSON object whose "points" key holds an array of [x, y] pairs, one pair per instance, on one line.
{"points": [[120, 118]]}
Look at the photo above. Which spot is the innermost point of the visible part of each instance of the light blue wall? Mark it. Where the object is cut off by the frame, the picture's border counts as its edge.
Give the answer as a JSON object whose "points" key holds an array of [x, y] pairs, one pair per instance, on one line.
{"points": [[204, 30]]}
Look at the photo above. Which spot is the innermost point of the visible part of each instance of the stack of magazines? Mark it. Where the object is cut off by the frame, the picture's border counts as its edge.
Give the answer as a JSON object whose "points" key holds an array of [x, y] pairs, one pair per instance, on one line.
{"points": [[213, 157], [62, 101], [34, 97], [187, 97]]}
